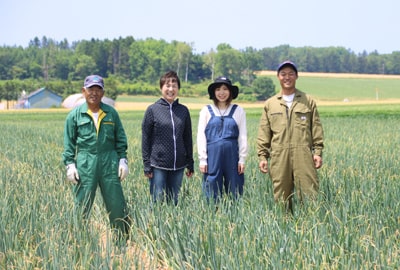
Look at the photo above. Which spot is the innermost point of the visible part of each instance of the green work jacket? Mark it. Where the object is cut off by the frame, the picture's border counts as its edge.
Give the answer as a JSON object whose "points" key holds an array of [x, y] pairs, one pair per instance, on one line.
{"points": [[84, 144]]}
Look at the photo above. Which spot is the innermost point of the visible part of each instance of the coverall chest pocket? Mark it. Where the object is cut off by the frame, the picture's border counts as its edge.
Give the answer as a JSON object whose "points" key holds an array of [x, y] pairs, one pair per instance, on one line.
{"points": [[277, 121], [85, 128], [108, 128], [302, 117]]}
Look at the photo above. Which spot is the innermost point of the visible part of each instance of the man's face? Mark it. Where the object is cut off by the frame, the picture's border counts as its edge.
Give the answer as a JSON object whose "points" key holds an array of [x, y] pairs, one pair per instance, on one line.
{"points": [[287, 78], [93, 95]]}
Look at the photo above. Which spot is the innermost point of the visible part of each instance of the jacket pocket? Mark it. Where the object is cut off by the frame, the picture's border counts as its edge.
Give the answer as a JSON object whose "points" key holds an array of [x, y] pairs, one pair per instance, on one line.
{"points": [[277, 121], [85, 128], [302, 117]]}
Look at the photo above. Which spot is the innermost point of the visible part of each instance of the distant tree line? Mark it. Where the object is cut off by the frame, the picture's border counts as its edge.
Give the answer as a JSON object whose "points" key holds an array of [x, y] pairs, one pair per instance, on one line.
{"points": [[134, 66]]}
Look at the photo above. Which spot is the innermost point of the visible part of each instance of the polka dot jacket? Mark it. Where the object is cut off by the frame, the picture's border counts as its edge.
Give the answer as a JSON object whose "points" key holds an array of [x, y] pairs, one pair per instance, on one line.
{"points": [[167, 137]]}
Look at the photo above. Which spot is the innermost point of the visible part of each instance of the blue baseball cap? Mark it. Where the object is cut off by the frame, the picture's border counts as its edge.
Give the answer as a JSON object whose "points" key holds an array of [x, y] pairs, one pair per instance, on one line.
{"points": [[92, 80]]}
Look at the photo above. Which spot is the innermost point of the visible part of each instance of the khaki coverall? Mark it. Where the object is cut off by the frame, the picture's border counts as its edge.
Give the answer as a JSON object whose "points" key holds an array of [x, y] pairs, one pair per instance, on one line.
{"points": [[290, 138], [96, 153]]}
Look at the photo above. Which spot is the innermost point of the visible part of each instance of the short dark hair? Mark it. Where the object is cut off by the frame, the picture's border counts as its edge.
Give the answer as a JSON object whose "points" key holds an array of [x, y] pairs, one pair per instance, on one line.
{"points": [[170, 76]]}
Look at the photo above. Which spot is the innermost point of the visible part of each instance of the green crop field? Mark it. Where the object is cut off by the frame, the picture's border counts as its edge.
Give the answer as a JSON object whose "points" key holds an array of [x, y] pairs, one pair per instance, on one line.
{"points": [[351, 89], [354, 224]]}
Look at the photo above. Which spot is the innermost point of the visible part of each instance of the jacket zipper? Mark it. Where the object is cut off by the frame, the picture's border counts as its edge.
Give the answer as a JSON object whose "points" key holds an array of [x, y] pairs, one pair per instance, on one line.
{"points": [[173, 133]]}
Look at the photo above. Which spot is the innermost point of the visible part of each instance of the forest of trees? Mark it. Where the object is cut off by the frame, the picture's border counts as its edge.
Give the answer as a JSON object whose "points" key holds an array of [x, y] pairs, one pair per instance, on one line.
{"points": [[134, 66]]}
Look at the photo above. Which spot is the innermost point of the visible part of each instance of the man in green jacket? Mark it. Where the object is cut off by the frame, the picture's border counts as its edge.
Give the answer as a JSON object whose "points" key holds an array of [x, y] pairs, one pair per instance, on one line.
{"points": [[290, 135], [95, 154]]}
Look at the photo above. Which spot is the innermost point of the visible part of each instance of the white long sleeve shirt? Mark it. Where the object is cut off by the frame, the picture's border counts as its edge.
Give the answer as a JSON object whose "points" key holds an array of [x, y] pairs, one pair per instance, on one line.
{"points": [[239, 116]]}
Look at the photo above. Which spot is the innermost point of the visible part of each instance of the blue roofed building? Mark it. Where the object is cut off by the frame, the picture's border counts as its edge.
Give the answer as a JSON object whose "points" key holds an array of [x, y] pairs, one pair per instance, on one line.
{"points": [[40, 99]]}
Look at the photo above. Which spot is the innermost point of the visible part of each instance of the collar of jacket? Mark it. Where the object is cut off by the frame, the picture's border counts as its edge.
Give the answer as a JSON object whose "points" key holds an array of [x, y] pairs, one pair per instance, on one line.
{"points": [[164, 102], [103, 107], [297, 93]]}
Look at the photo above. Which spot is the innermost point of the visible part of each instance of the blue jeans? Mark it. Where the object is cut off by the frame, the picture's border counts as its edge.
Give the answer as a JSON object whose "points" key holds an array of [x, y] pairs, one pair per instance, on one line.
{"points": [[167, 184]]}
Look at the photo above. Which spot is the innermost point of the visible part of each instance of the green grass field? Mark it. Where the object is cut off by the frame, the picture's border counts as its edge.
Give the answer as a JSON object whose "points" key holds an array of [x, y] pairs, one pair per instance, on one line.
{"points": [[354, 224], [328, 87]]}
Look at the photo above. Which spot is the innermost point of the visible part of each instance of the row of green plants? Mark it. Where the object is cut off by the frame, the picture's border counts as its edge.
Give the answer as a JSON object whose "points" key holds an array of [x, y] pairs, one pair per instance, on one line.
{"points": [[354, 224]]}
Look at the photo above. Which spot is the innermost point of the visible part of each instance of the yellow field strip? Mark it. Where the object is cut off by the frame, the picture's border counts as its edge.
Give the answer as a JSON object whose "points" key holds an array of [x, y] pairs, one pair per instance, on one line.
{"points": [[333, 75], [141, 106]]}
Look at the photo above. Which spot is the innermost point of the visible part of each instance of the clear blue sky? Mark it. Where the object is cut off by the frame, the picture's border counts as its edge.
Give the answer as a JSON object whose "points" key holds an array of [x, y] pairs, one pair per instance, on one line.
{"points": [[357, 25]]}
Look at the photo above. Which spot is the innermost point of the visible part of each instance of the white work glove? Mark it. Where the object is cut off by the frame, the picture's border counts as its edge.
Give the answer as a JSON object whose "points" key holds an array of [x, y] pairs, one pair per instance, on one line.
{"points": [[72, 174], [123, 169]]}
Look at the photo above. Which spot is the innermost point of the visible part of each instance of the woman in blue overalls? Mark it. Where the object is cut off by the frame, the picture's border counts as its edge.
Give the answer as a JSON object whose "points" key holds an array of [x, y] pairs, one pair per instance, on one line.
{"points": [[222, 141]]}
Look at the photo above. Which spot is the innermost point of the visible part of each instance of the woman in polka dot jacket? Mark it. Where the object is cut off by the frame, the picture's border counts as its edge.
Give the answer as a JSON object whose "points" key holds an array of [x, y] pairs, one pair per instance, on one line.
{"points": [[167, 146]]}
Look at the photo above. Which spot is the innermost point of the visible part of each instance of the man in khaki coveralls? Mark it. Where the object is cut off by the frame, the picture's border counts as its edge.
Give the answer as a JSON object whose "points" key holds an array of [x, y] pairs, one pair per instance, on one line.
{"points": [[291, 135]]}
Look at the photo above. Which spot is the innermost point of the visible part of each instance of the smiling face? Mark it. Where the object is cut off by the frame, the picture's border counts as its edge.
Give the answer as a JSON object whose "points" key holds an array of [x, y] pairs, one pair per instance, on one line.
{"points": [[287, 77], [93, 96], [170, 90], [223, 94]]}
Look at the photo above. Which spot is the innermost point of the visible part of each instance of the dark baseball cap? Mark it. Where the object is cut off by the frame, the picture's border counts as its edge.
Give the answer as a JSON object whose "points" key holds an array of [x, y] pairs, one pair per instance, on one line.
{"points": [[92, 80], [287, 63]]}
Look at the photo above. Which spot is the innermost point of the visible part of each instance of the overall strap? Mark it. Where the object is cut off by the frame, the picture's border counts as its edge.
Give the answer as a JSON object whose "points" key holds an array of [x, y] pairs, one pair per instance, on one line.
{"points": [[234, 106], [210, 110]]}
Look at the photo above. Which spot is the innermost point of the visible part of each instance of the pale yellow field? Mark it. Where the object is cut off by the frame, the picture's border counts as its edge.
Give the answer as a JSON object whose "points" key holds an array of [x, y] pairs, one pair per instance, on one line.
{"points": [[332, 75], [139, 106]]}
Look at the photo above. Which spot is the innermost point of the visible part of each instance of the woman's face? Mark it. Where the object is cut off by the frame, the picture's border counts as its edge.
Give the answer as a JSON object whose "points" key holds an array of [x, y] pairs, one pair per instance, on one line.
{"points": [[169, 91], [222, 93]]}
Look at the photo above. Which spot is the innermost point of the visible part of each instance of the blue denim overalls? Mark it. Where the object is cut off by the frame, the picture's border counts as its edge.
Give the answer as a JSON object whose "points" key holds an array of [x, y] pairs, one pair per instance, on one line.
{"points": [[222, 135]]}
